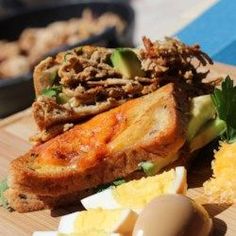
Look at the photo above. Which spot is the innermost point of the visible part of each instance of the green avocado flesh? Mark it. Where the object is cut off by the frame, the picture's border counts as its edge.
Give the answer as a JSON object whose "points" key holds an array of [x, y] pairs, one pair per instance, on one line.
{"points": [[127, 63], [202, 110], [203, 127], [211, 130]]}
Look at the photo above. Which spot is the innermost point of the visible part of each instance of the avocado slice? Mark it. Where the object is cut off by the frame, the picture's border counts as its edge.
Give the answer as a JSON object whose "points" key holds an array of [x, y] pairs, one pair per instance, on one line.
{"points": [[211, 130], [62, 98], [127, 63], [202, 110], [203, 126]]}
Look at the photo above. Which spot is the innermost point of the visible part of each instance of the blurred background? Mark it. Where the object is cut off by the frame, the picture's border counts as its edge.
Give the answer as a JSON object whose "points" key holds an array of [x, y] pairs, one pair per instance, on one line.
{"points": [[34, 29]]}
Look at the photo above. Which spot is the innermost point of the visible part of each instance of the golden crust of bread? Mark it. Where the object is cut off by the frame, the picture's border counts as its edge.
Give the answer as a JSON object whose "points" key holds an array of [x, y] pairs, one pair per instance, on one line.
{"points": [[136, 143], [41, 74], [52, 132], [26, 202], [48, 112]]}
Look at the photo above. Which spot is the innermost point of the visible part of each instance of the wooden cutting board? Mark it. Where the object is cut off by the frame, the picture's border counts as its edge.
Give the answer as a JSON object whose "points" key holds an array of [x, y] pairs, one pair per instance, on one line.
{"points": [[14, 133]]}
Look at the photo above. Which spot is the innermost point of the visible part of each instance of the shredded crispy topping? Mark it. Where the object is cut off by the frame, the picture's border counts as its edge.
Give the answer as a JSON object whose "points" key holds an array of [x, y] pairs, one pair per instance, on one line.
{"points": [[88, 78], [173, 61]]}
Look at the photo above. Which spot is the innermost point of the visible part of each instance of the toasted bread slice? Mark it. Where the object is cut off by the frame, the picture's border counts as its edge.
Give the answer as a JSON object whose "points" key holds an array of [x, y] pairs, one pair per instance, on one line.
{"points": [[27, 202], [47, 113], [108, 146]]}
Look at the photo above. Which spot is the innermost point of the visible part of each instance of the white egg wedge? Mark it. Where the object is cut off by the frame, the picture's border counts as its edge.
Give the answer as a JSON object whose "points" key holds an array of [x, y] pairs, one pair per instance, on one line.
{"points": [[136, 194], [66, 224], [119, 221]]}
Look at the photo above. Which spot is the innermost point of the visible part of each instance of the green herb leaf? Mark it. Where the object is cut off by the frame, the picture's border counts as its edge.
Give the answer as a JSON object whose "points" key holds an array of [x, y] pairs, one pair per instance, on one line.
{"points": [[115, 183], [224, 100], [148, 167], [49, 92], [3, 188], [52, 91]]}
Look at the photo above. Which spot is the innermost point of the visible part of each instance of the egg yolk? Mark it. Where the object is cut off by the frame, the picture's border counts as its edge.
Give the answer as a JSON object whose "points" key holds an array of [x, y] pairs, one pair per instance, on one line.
{"points": [[137, 193]]}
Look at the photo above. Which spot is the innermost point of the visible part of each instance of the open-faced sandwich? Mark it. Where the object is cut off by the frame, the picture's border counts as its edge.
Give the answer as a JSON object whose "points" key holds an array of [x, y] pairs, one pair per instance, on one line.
{"points": [[89, 80], [106, 114]]}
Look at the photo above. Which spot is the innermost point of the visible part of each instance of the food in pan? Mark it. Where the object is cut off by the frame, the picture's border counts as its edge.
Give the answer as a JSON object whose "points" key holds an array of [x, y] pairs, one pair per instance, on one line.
{"points": [[155, 124], [18, 57], [12, 62]]}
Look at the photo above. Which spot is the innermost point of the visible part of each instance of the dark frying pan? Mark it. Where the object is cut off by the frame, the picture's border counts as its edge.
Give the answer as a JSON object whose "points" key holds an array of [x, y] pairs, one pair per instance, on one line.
{"points": [[17, 93]]}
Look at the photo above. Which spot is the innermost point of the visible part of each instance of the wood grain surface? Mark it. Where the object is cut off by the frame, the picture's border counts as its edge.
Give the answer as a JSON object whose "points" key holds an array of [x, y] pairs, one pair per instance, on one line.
{"points": [[14, 133]]}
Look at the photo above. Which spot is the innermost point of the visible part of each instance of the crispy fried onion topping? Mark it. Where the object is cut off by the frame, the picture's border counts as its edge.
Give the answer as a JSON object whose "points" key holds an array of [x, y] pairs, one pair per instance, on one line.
{"points": [[173, 61]]}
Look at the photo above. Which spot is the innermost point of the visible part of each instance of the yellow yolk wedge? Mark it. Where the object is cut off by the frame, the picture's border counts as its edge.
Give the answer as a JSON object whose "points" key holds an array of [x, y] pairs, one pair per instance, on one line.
{"points": [[99, 220], [137, 194], [221, 188]]}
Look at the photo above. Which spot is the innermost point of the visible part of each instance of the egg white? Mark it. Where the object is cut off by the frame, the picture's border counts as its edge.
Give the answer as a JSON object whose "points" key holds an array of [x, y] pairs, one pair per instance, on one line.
{"points": [[102, 199], [66, 224]]}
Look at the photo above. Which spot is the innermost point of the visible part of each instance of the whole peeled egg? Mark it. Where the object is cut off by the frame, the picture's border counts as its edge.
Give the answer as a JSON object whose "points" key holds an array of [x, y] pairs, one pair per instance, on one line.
{"points": [[173, 215]]}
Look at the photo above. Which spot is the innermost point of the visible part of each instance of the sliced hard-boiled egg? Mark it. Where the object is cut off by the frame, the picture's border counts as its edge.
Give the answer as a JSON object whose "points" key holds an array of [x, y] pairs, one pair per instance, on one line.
{"points": [[101, 220], [138, 193]]}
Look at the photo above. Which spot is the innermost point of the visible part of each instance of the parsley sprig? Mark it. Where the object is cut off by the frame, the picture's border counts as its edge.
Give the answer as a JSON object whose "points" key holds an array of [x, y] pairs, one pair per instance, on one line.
{"points": [[224, 100], [52, 91], [115, 183]]}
